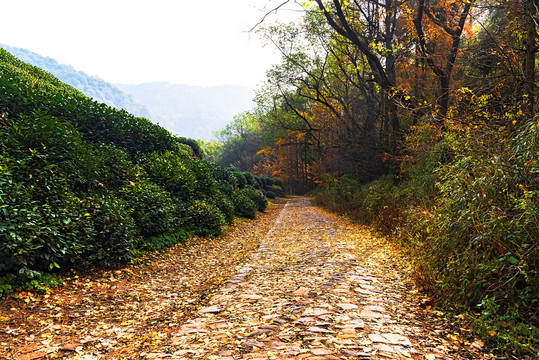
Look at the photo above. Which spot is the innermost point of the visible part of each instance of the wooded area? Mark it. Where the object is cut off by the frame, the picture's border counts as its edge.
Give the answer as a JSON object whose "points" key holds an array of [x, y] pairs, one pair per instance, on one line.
{"points": [[418, 117]]}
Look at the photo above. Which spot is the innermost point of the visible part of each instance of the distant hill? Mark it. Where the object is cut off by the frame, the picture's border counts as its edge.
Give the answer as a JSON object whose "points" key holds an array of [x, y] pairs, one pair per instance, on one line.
{"points": [[91, 86], [189, 111], [192, 111]]}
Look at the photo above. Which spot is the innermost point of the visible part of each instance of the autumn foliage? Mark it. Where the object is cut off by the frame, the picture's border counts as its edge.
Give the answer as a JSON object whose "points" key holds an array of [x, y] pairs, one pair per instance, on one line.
{"points": [[419, 117]]}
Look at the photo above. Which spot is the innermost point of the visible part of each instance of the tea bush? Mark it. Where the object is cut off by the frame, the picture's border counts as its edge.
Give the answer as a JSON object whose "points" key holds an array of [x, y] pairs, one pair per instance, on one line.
{"points": [[243, 205], [205, 218], [205, 185], [171, 171], [116, 232], [257, 197], [150, 206], [37, 232], [224, 204], [270, 195]]}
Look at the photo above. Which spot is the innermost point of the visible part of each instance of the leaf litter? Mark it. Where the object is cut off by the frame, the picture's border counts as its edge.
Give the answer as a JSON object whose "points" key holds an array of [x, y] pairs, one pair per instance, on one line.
{"points": [[295, 283]]}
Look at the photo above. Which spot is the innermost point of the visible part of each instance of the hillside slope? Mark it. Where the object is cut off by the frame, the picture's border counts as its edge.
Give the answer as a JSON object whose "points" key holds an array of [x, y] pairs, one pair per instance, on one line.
{"points": [[186, 110], [83, 184], [91, 86]]}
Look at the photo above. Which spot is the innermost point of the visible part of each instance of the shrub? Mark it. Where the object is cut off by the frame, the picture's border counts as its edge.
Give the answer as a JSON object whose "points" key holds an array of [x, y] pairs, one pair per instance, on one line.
{"points": [[205, 185], [171, 172], [276, 189], [249, 178], [225, 178], [115, 230], [193, 144], [225, 205], [116, 167], [241, 181], [205, 218], [40, 233], [59, 144], [270, 195], [258, 198], [151, 207], [243, 205]]}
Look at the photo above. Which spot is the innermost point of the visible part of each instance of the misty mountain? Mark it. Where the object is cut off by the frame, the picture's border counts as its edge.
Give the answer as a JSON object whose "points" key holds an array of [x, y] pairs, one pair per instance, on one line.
{"points": [[185, 110], [91, 86], [192, 111]]}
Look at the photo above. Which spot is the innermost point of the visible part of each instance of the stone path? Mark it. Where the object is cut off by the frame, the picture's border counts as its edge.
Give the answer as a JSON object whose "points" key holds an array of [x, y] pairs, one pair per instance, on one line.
{"points": [[317, 288]]}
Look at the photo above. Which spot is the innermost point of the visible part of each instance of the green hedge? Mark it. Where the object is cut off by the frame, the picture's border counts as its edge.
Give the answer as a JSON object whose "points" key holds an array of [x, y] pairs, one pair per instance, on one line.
{"points": [[83, 184]]}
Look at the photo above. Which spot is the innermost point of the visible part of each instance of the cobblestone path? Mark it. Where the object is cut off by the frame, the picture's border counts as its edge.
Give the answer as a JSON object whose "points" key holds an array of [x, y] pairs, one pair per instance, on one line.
{"points": [[317, 288]]}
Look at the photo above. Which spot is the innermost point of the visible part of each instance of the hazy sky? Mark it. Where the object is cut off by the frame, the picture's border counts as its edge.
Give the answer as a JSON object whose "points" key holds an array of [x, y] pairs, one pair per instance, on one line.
{"points": [[197, 42]]}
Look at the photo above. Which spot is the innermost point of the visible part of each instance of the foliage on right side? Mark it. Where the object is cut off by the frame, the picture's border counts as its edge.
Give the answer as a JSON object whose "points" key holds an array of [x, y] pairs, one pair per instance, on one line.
{"points": [[423, 123], [469, 223]]}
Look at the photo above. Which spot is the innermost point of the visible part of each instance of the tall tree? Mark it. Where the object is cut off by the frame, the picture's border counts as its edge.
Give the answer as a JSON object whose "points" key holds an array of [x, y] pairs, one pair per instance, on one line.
{"points": [[449, 16]]}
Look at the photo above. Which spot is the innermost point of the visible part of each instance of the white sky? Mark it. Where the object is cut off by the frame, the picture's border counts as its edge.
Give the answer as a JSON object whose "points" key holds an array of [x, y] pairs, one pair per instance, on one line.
{"points": [[196, 42]]}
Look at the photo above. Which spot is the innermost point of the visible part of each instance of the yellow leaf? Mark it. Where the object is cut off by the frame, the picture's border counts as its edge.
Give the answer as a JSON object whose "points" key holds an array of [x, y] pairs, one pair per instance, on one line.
{"points": [[492, 332]]}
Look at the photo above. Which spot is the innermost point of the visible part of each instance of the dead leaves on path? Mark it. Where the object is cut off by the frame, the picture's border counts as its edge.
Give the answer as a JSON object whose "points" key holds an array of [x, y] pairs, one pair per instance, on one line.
{"points": [[298, 284], [296, 299]]}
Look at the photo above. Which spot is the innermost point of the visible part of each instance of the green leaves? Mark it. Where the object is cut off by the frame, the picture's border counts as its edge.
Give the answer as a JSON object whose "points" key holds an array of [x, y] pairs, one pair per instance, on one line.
{"points": [[82, 184]]}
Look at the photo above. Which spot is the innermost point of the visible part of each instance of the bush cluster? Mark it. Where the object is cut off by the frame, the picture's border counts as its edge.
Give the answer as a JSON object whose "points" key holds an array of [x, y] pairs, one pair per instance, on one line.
{"points": [[83, 184]]}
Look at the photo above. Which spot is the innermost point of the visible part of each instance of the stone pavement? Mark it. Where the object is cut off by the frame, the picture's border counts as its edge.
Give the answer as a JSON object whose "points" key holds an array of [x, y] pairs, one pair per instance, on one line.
{"points": [[318, 288]]}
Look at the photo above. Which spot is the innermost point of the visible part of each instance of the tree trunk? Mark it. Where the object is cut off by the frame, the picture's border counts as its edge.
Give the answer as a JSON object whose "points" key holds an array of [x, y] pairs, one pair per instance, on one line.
{"points": [[443, 101], [529, 68]]}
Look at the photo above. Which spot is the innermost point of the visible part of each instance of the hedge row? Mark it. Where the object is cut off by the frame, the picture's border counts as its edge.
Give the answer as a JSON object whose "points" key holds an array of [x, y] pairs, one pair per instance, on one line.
{"points": [[83, 184]]}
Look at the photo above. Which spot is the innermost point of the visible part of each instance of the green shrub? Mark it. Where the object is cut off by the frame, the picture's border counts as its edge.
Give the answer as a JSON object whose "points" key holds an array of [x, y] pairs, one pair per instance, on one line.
{"points": [[151, 207], [205, 185], [276, 189], [59, 144], [239, 176], [205, 218], [42, 227], [243, 205], [116, 167], [271, 195], [171, 172], [225, 205], [115, 230], [249, 178], [257, 196], [193, 144]]}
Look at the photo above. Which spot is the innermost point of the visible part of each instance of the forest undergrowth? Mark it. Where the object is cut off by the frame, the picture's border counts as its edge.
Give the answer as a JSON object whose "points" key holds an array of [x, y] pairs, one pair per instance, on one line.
{"points": [[465, 210]]}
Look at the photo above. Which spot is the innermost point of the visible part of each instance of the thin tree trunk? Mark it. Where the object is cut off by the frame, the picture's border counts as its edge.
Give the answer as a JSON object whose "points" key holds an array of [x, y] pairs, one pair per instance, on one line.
{"points": [[529, 70]]}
